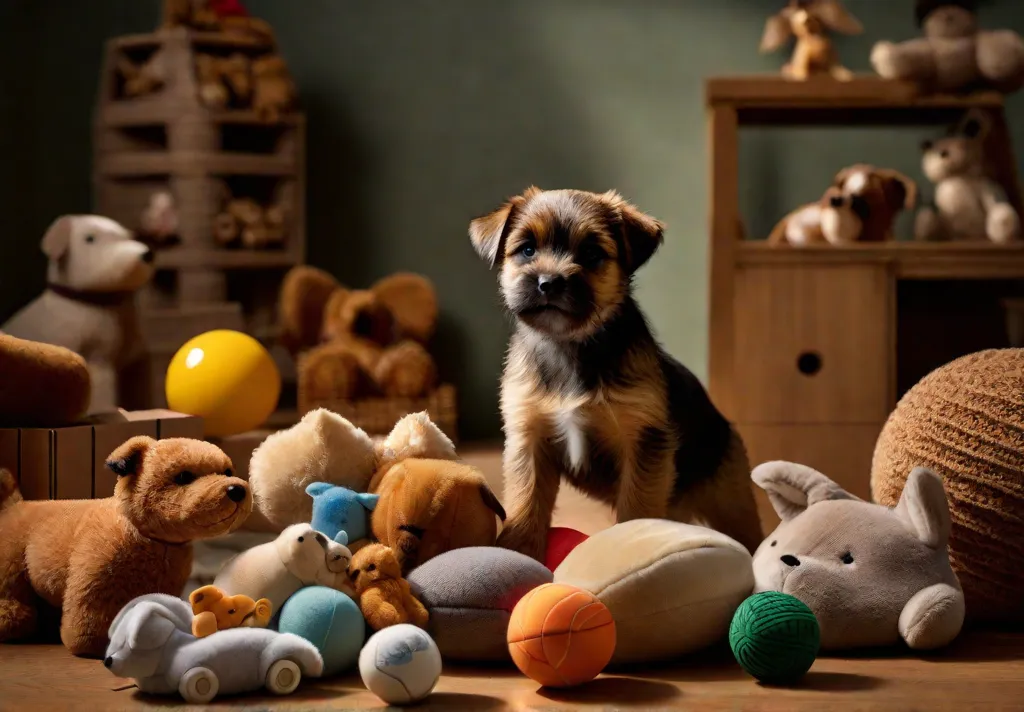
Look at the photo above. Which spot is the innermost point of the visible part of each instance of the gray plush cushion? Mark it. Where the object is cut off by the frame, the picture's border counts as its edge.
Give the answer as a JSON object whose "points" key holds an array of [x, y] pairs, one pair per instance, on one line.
{"points": [[470, 594]]}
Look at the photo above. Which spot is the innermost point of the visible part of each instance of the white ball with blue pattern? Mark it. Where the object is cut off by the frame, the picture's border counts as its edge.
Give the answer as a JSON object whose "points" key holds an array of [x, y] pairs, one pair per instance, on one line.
{"points": [[400, 664]]}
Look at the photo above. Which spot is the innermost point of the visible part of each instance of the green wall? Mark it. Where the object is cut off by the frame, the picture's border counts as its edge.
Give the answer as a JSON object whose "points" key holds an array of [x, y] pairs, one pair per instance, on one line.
{"points": [[424, 114]]}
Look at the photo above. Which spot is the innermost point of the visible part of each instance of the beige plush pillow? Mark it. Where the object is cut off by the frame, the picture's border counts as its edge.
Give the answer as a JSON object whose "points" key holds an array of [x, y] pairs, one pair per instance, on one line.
{"points": [[672, 588]]}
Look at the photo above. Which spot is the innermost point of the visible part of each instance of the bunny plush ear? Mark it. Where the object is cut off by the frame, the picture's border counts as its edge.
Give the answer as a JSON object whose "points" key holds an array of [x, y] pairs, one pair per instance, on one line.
{"points": [[836, 17], [792, 488], [924, 509], [150, 626], [777, 32]]}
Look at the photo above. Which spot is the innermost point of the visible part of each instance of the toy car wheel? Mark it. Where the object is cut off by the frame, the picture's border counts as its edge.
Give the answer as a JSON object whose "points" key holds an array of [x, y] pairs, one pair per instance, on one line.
{"points": [[283, 677], [198, 685]]}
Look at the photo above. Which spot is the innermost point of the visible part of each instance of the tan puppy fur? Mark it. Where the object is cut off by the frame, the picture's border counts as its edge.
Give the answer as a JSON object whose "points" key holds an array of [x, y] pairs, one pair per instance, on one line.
{"points": [[384, 596], [88, 558], [587, 392]]}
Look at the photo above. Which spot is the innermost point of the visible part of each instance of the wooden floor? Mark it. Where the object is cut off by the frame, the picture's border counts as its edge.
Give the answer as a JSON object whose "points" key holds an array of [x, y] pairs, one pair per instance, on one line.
{"points": [[982, 672]]}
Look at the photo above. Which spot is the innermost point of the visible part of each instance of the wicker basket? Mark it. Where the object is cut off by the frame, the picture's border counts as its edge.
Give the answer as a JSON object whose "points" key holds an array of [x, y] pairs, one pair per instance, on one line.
{"points": [[377, 416]]}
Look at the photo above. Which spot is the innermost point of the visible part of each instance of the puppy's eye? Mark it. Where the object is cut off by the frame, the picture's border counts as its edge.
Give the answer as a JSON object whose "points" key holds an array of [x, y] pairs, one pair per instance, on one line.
{"points": [[228, 473], [847, 558], [184, 478], [528, 251], [371, 567], [90, 239]]}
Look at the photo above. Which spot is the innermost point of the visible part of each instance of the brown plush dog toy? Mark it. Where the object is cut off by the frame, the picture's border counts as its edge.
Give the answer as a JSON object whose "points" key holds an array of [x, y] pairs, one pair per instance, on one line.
{"points": [[860, 206], [89, 558], [384, 596], [214, 610]]}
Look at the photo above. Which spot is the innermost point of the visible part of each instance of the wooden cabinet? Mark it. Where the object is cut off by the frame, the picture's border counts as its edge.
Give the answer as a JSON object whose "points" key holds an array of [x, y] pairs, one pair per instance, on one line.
{"points": [[803, 347]]}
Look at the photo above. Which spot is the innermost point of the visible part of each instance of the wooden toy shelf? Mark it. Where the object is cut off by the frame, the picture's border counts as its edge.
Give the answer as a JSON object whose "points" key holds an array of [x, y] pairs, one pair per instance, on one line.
{"points": [[811, 347], [170, 141]]}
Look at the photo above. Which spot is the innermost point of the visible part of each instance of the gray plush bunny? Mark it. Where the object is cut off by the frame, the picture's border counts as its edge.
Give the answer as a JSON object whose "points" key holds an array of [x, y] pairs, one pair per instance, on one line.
{"points": [[151, 641], [871, 575]]}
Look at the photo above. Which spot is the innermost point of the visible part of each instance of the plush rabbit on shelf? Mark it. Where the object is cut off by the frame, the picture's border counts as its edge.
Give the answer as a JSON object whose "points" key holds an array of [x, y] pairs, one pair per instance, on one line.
{"points": [[810, 22]]}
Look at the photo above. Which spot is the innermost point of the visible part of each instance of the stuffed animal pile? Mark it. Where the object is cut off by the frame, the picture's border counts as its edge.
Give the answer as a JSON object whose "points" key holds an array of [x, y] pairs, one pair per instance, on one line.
{"points": [[352, 344]]}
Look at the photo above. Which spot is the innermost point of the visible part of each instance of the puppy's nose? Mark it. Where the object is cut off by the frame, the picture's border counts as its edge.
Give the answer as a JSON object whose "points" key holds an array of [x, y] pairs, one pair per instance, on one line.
{"points": [[108, 661], [148, 256], [236, 493], [836, 201], [789, 560], [550, 284]]}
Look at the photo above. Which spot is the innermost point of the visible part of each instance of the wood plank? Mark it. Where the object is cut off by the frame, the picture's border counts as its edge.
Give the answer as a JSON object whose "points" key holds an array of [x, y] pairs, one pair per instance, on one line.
{"points": [[725, 228], [34, 464], [813, 346], [981, 670], [772, 90], [185, 258], [73, 462], [841, 452], [192, 163], [909, 260], [109, 437], [9, 440]]}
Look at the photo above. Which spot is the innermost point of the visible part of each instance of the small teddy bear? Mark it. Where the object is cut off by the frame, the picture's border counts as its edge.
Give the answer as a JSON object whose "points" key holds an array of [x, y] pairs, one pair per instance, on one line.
{"points": [[384, 596], [214, 611], [969, 205]]}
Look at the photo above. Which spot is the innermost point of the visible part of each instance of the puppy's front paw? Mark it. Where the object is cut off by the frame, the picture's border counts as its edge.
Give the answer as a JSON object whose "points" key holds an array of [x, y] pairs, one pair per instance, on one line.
{"points": [[526, 540]]}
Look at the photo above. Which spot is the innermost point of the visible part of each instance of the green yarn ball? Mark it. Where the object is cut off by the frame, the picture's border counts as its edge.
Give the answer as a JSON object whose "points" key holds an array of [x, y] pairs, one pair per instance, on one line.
{"points": [[775, 637]]}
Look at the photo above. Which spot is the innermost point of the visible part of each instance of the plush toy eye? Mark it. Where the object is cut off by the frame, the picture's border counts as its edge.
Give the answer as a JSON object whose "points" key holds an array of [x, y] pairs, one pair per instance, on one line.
{"points": [[228, 472], [847, 558], [774, 543], [231, 612], [90, 239], [184, 478], [302, 539], [371, 567]]}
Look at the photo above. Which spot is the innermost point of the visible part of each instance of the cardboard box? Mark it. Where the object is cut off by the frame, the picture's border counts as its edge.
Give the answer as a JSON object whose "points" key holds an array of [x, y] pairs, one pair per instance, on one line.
{"points": [[68, 463]]}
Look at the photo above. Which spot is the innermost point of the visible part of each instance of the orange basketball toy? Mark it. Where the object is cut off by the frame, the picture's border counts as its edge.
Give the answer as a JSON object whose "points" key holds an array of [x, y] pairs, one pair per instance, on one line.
{"points": [[561, 635]]}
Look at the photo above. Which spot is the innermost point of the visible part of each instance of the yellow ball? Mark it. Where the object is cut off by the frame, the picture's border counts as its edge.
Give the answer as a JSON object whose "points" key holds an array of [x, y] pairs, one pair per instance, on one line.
{"points": [[225, 377]]}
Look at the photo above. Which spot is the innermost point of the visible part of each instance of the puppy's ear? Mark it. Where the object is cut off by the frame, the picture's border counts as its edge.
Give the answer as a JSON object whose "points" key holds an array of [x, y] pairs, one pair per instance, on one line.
{"points": [[58, 237], [488, 233], [127, 459], [642, 235]]}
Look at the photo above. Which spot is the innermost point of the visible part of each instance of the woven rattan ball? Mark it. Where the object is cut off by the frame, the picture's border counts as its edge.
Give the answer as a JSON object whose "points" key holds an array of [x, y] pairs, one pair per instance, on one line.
{"points": [[965, 421]]}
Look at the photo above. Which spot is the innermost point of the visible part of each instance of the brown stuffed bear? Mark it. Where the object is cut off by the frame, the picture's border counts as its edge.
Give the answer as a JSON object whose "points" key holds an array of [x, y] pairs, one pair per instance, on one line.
{"points": [[214, 611], [384, 596], [354, 344], [88, 558]]}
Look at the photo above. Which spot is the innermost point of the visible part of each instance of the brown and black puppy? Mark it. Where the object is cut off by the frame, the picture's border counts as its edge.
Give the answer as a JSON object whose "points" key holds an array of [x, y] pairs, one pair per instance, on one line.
{"points": [[587, 392], [88, 558]]}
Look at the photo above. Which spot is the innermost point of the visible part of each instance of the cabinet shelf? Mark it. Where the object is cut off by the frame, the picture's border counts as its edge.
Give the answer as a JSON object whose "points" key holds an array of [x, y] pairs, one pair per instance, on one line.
{"points": [[185, 258], [908, 260], [145, 163]]}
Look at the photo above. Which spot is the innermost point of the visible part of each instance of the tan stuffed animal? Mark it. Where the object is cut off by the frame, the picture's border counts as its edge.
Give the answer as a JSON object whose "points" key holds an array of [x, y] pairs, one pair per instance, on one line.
{"points": [[354, 344], [213, 92], [215, 611], [273, 89], [809, 21], [860, 206], [969, 205], [954, 55], [384, 596], [144, 78]]}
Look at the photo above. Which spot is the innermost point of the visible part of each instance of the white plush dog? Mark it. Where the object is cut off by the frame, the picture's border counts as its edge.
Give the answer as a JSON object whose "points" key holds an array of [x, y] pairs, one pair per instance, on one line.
{"points": [[151, 641], [88, 306]]}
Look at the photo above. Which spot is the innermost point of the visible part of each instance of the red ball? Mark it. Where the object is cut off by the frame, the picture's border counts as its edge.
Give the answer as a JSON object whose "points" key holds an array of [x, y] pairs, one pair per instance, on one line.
{"points": [[561, 541]]}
